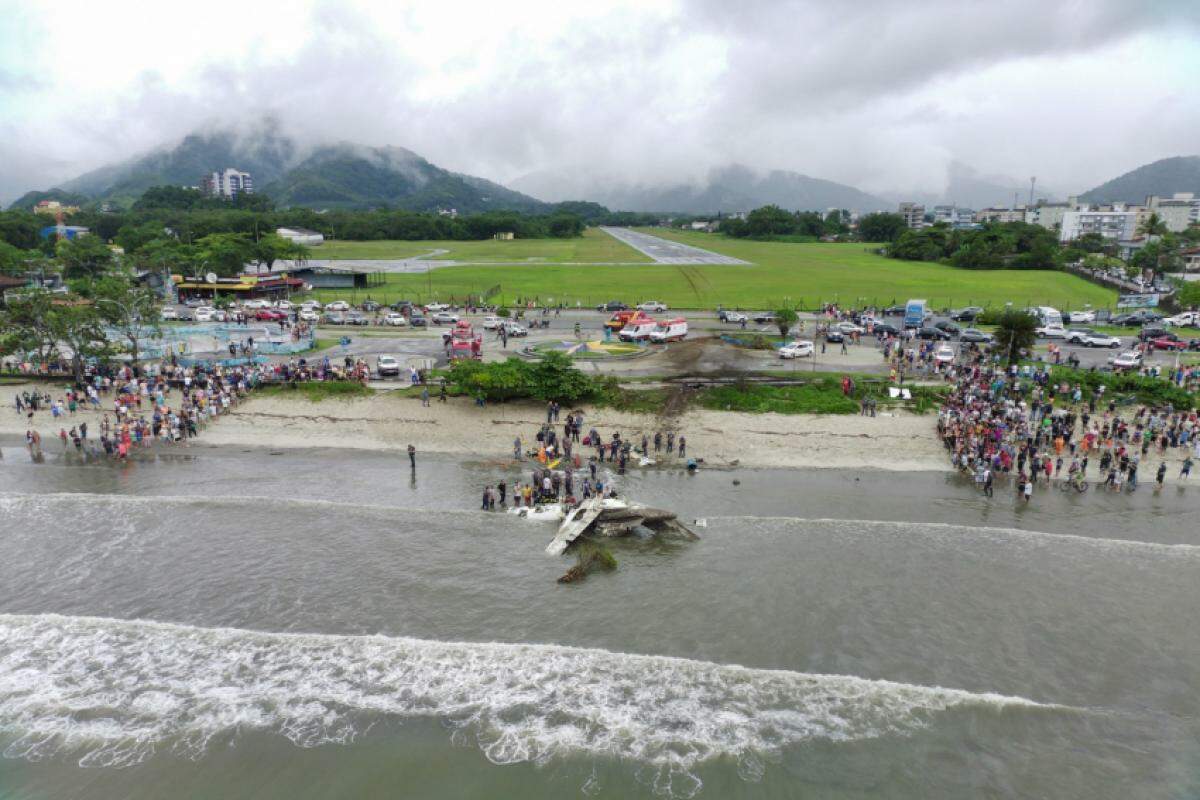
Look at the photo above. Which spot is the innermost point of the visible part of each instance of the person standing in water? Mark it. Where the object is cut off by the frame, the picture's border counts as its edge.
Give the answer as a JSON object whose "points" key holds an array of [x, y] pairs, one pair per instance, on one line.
{"points": [[412, 456]]}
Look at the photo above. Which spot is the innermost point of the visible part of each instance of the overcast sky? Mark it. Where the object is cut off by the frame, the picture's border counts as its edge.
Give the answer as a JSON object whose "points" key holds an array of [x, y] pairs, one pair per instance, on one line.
{"points": [[880, 95]]}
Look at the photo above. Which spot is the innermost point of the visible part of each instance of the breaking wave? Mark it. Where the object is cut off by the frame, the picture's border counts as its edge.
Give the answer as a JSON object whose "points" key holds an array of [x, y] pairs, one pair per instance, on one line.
{"points": [[112, 693]]}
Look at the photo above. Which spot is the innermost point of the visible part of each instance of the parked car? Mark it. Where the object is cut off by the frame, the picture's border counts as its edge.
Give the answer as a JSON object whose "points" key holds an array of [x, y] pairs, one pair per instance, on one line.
{"points": [[491, 323], [284, 305], [338, 305], [387, 365], [652, 306], [514, 329], [849, 327], [948, 327], [1081, 317], [444, 318], [894, 311], [886, 328], [1101, 340], [417, 321], [944, 354], [269, 315], [335, 318], [612, 305], [435, 307], [835, 336], [763, 317], [370, 306], [1187, 318], [1078, 335], [797, 349], [1130, 359], [194, 302], [256, 302], [1052, 332], [204, 313], [975, 335], [169, 313], [220, 315], [395, 319], [735, 317], [1168, 343], [1155, 332], [309, 315], [934, 334], [357, 318], [312, 304], [968, 314]]}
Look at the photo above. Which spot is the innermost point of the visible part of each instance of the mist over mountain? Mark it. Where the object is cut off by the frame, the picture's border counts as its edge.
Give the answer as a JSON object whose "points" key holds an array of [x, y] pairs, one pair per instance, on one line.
{"points": [[726, 189], [340, 175], [966, 187], [1163, 178]]}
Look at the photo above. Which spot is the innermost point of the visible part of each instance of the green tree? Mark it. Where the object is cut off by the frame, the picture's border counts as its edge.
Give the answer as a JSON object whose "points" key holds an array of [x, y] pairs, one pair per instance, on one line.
{"points": [[77, 325], [226, 254], [135, 311], [1016, 331], [271, 248], [880, 227], [26, 326], [785, 318], [1156, 257], [12, 259], [84, 256], [1153, 225]]}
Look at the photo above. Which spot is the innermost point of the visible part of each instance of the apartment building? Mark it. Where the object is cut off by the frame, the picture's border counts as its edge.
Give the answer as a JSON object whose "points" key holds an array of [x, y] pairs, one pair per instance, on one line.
{"points": [[1118, 224], [1177, 212], [1000, 214], [913, 214], [227, 183]]}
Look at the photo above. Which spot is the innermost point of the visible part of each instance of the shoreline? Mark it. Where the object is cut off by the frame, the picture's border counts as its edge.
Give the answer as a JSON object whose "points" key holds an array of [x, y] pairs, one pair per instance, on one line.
{"points": [[389, 422]]}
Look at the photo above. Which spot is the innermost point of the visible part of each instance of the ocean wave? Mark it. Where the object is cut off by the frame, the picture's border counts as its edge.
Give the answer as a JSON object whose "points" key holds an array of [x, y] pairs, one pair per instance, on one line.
{"points": [[113, 692]]}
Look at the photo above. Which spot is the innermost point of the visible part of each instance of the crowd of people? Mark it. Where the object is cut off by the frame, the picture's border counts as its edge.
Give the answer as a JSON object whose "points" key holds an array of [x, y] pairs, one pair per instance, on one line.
{"points": [[562, 475], [1022, 423]]}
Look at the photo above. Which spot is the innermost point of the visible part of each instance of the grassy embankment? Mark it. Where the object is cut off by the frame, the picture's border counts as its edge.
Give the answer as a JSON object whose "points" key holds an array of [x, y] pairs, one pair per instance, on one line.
{"points": [[780, 273]]}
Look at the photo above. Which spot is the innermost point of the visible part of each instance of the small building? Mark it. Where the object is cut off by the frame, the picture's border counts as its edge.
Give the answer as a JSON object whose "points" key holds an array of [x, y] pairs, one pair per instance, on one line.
{"points": [[53, 207], [505, 236], [334, 278], [301, 236], [242, 287], [1000, 215], [227, 183], [64, 231]]}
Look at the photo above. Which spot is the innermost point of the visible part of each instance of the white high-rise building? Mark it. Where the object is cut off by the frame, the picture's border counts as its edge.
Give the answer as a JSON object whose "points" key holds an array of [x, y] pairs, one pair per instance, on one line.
{"points": [[228, 183], [1118, 224]]}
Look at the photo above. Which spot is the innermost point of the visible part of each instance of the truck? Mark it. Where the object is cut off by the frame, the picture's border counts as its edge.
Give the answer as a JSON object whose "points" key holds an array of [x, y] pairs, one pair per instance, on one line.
{"points": [[621, 319], [914, 313], [638, 329], [673, 330]]}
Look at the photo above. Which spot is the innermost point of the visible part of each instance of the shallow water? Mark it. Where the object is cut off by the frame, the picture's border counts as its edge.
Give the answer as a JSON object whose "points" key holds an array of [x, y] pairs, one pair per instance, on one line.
{"points": [[320, 623]]}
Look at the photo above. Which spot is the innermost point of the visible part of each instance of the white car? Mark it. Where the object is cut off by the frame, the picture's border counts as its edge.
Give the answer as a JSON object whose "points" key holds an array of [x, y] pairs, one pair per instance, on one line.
{"points": [[284, 305], [444, 318], [944, 354], [736, 317], [514, 329], [338, 305], [1052, 332], [797, 349], [491, 323], [395, 319], [256, 304], [387, 365], [169, 312], [1101, 340], [432, 307], [205, 314], [309, 315], [1081, 317], [850, 327], [1186, 318], [1130, 359], [652, 306]]}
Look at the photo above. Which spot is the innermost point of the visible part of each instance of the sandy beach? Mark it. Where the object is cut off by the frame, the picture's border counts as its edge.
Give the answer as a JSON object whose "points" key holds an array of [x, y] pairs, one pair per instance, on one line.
{"points": [[389, 421]]}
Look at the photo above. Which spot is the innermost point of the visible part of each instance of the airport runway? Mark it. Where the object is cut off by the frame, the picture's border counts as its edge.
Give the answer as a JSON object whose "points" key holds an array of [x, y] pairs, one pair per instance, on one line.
{"points": [[665, 251]]}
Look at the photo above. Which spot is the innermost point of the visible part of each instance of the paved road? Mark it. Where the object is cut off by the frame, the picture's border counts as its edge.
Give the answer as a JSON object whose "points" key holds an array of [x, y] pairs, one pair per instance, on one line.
{"points": [[664, 251]]}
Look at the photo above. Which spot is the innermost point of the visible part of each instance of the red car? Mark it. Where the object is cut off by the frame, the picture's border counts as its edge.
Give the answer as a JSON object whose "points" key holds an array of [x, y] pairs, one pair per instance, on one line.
{"points": [[1168, 344], [269, 315]]}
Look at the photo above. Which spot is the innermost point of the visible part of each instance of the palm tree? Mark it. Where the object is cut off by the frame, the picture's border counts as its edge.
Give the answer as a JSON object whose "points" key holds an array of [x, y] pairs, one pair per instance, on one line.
{"points": [[1152, 225]]}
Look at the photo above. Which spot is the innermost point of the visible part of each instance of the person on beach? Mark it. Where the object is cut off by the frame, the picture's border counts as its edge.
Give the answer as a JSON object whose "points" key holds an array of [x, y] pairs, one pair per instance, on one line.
{"points": [[412, 456]]}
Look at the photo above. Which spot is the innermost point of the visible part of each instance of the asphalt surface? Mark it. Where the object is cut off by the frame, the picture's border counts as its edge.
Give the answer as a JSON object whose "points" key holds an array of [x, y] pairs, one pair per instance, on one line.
{"points": [[664, 251]]}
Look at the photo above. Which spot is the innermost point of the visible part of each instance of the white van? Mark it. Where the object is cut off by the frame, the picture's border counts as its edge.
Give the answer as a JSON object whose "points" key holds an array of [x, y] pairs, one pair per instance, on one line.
{"points": [[1047, 316], [638, 331], [673, 330]]}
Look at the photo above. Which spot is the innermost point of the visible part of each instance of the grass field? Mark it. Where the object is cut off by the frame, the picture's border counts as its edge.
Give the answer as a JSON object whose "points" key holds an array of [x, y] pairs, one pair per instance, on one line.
{"points": [[781, 274], [593, 247]]}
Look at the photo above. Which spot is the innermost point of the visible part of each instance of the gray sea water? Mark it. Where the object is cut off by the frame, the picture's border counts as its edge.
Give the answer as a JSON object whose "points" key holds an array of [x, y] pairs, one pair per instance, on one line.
{"points": [[309, 624]]}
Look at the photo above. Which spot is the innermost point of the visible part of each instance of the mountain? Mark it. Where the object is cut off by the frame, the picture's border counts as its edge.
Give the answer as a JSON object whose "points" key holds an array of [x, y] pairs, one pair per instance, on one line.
{"points": [[329, 176], [1163, 178], [263, 152], [354, 176], [726, 189], [27, 201]]}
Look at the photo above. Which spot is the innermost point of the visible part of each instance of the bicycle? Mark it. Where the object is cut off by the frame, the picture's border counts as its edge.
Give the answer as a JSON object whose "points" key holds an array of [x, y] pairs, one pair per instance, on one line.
{"points": [[1078, 484]]}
